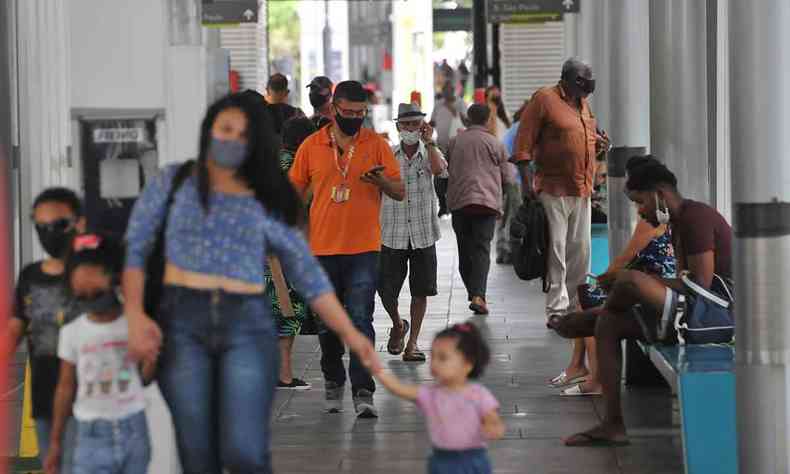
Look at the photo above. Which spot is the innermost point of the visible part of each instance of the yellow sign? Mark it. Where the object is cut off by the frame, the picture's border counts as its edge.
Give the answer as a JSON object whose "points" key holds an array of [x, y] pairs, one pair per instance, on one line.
{"points": [[28, 445]]}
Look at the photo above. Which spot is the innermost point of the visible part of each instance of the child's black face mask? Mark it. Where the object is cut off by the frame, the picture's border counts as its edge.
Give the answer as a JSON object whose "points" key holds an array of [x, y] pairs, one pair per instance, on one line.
{"points": [[99, 303], [55, 237]]}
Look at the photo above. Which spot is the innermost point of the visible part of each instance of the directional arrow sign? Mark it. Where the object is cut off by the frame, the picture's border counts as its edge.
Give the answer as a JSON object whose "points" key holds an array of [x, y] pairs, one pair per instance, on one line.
{"points": [[503, 11], [224, 12]]}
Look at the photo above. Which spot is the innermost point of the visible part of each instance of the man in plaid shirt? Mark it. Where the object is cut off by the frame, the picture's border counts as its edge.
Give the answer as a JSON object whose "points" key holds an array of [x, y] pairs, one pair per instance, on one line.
{"points": [[410, 229]]}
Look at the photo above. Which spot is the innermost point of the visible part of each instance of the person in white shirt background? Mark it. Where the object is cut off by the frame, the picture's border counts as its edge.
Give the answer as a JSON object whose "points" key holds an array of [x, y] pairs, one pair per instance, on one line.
{"points": [[498, 125]]}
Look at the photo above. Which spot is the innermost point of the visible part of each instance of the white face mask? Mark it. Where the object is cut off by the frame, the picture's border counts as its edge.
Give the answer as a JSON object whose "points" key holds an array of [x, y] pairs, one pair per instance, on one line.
{"points": [[410, 138], [661, 216]]}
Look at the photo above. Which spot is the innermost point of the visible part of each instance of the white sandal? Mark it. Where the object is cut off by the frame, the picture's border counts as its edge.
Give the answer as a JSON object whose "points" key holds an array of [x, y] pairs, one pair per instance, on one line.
{"points": [[562, 380], [576, 391]]}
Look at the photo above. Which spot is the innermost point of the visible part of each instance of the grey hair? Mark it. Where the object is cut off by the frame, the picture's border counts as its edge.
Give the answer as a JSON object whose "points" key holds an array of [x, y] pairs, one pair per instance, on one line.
{"points": [[573, 67]]}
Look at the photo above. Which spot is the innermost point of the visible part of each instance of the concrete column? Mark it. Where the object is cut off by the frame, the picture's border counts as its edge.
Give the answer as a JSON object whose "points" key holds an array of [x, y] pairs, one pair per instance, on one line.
{"points": [[44, 104], [679, 92], [592, 46], [629, 120], [479, 44], [571, 35], [760, 98], [720, 155]]}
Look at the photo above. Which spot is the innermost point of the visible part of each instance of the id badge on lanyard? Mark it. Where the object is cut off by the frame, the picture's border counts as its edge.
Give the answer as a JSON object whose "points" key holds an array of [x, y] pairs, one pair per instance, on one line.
{"points": [[342, 192]]}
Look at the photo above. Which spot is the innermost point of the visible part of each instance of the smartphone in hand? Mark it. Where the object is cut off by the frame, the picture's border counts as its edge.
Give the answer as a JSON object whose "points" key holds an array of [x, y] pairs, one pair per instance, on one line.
{"points": [[375, 170]]}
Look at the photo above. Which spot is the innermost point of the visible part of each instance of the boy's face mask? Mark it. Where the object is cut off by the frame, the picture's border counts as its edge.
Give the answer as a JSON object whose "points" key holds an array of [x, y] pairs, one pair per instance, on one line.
{"points": [[55, 237]]}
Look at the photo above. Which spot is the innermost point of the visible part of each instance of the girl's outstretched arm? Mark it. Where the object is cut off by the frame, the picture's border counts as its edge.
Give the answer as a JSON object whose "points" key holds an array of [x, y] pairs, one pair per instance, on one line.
{"points": [[394, 385]]}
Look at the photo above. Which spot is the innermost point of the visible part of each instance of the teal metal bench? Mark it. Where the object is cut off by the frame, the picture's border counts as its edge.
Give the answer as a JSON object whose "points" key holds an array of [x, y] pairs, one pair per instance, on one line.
{"points": [[703, 376]]}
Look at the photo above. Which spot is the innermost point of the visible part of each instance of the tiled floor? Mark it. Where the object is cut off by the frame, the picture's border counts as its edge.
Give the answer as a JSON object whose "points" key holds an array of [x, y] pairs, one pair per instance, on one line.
{"points": [[525, 355]]}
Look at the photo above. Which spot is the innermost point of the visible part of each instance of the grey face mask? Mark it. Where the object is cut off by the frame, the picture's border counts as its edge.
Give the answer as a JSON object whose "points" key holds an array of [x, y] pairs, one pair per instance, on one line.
{"points": [[228, 154]]}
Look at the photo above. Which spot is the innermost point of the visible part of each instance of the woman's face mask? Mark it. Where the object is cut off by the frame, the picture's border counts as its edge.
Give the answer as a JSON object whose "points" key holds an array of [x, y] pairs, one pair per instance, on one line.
{"points": [[228, 154]]}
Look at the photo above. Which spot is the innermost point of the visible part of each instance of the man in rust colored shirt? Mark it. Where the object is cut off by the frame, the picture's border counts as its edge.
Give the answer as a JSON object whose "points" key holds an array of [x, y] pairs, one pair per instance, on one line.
{"points": [[558, 132]]}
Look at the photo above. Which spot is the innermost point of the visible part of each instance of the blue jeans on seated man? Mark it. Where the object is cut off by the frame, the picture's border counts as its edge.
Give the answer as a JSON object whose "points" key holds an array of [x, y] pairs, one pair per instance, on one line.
{"points": [[43, 433], [355, 279], [113, 446], [218, 373]]}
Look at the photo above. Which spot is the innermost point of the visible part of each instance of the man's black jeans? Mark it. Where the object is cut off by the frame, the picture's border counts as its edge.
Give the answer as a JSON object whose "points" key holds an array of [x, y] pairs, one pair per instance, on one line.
{"points": [[474, 233]]}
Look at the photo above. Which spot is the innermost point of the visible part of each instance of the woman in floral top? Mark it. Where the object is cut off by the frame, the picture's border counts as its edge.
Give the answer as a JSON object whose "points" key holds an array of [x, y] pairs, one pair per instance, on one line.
{"points": [[288, 307]]}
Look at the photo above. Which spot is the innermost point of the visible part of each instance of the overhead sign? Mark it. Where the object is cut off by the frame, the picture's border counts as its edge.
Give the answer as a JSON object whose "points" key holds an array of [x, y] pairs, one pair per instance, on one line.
{"points": [[459, 19], [224, 12], [118, 135], [516, 11]]}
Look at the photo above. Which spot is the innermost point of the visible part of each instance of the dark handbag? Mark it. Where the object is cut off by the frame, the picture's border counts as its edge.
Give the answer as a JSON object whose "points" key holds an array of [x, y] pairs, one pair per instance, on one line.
{"points": [[155, 264], [705, 316], [529, 242]]}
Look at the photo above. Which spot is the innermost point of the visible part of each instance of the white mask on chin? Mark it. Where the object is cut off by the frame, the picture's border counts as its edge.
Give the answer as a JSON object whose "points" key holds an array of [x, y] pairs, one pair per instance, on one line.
{"points": [[662, 216]]}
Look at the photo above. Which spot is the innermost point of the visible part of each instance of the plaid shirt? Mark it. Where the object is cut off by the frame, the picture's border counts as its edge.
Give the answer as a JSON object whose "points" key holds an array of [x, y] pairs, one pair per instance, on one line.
{"points": [[414, 220]]}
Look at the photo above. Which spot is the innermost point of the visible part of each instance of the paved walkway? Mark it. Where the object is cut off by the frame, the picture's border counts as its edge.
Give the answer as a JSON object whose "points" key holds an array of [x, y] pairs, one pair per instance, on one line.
{"points": [[525, 355]]}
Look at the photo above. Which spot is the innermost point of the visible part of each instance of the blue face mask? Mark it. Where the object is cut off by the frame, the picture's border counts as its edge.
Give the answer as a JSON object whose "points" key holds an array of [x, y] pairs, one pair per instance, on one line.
{"points": [[228, 154]]}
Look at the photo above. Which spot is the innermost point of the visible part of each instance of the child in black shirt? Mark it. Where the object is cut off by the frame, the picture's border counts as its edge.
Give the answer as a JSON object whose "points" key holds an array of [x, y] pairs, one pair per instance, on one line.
{"points": [[41, 304]]}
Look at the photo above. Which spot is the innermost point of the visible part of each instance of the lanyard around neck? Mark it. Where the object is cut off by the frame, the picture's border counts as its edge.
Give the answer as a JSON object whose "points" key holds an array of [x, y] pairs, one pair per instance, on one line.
{"points": [[344, 170]]}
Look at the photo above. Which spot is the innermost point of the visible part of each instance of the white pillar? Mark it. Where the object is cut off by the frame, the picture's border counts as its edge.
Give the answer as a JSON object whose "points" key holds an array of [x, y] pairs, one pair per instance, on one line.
{"points": [[721, 158], [593, 47], [628, 44], [44, 103], [679, 92], [760, 98]]}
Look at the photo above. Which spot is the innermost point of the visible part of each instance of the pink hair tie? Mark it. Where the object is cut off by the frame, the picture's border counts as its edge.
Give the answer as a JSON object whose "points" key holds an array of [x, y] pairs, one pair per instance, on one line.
{"points": [[86, 242], [465, 327]]}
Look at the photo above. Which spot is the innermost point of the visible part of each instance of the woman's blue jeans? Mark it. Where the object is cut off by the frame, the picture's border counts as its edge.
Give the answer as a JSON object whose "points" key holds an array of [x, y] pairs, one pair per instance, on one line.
{"points": [[218, 371]]}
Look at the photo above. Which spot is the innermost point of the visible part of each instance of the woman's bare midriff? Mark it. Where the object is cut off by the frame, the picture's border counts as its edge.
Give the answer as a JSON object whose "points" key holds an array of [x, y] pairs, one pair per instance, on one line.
{"points": [[202, 281]]}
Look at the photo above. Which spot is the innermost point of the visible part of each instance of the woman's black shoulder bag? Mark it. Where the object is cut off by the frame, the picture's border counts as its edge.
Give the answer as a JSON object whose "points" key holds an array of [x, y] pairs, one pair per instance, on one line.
{"points": [[155, 264]]}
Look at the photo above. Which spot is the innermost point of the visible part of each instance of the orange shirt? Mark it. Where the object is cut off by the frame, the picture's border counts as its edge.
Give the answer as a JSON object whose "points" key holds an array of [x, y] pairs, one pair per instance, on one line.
{"points": [[561, 140], [351, 227]]}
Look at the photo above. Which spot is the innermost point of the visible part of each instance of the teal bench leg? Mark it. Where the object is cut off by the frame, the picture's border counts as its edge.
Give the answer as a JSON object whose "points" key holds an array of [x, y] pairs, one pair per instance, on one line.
{"points": [[707, 404]]}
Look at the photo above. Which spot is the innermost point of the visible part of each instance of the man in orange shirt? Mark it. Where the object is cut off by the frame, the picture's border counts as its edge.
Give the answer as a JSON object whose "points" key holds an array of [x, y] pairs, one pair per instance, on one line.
{"points": [[558, 132], [347, 168]]}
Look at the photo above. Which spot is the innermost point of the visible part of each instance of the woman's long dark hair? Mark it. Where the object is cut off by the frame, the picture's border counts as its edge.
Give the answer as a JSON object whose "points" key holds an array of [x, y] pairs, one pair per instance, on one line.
{"points": [[500, 106], [261, 170]]}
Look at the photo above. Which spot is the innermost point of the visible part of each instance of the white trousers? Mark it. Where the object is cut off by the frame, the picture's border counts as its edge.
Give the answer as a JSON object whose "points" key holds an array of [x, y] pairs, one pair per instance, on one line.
{"points": [[569, 249]]}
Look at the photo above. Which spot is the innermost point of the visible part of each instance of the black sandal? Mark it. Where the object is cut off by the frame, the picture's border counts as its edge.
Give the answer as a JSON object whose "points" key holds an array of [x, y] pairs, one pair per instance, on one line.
{"points": [[414, 356], [395, 345]]}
